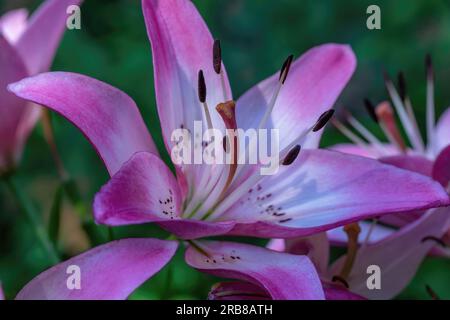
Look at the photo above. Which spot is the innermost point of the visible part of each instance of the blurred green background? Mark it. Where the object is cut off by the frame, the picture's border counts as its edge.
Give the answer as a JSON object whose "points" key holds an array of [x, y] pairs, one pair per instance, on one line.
{"points": [[256, 36]]}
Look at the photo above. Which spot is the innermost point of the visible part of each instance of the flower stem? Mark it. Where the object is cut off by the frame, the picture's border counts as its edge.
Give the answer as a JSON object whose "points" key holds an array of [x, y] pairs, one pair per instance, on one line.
{"points": [[33, 218]]}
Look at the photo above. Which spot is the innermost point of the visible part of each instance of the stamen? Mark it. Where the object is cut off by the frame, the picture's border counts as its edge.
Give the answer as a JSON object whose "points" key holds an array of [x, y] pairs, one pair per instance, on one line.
{"points": [[197, 247], [401, 85], [400, 108], [388, 125], [283, 75], [435, 239], [364, 132], [369, 233], [323, 120], [432, 293], [352, 231], [217, 65], [291, 156], [202, 98], [341, 280], [409, 109], [371, 110], [430, 99], [217, 56], [285, 69], [320, 123], [347, 133]]}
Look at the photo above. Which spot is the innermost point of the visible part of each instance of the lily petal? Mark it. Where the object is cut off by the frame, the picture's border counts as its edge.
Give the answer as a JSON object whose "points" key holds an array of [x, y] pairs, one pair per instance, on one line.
{"points": [[324, 189], [442, 135], [107, 117], [398, 255], [182, 46], [314, 82], [38, 43], [13, 23], [316, 247], [237, 290], [108, 272], [2, 295], [335, 292], [145, 190], [13, 111], [413, 163], [281, 275], [350, 148], [441, 168]]}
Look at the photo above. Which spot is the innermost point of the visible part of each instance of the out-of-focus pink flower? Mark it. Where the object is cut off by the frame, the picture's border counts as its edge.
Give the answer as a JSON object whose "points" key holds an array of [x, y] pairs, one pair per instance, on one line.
{"points": [[316, 191], [402, 241], [27, 47]]}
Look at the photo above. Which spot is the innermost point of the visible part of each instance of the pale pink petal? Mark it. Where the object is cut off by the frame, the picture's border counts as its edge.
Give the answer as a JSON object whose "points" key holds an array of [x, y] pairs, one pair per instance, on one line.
{"points": [[38, 43], [145, 190], [443, 131], [108, 117], [325, 189], [398, 256], [13, 23], [441, 168], [281, 275], [108, 272], [182, 46], [13, 111], [237, 290], [314, 82]]}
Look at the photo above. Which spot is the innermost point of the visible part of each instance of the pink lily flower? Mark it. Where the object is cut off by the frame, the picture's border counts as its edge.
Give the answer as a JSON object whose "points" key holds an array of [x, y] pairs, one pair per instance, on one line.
{"points": [[316, 191], [27, 47], [404, 240], [274, 279], [397, 254]]}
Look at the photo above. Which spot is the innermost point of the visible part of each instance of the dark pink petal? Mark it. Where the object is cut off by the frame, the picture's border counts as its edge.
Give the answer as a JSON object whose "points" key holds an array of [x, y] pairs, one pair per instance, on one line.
{"points": [[237, 290], [442, 131], [316, 247], [182, 46], [108, 117], [314, 82], [108, 272], [337, 292], [413, 163], [441, 168], [324, 189], [281, 275], [16, 115], [38, 43], [398, 256], [13, 23], [145, 190]]}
